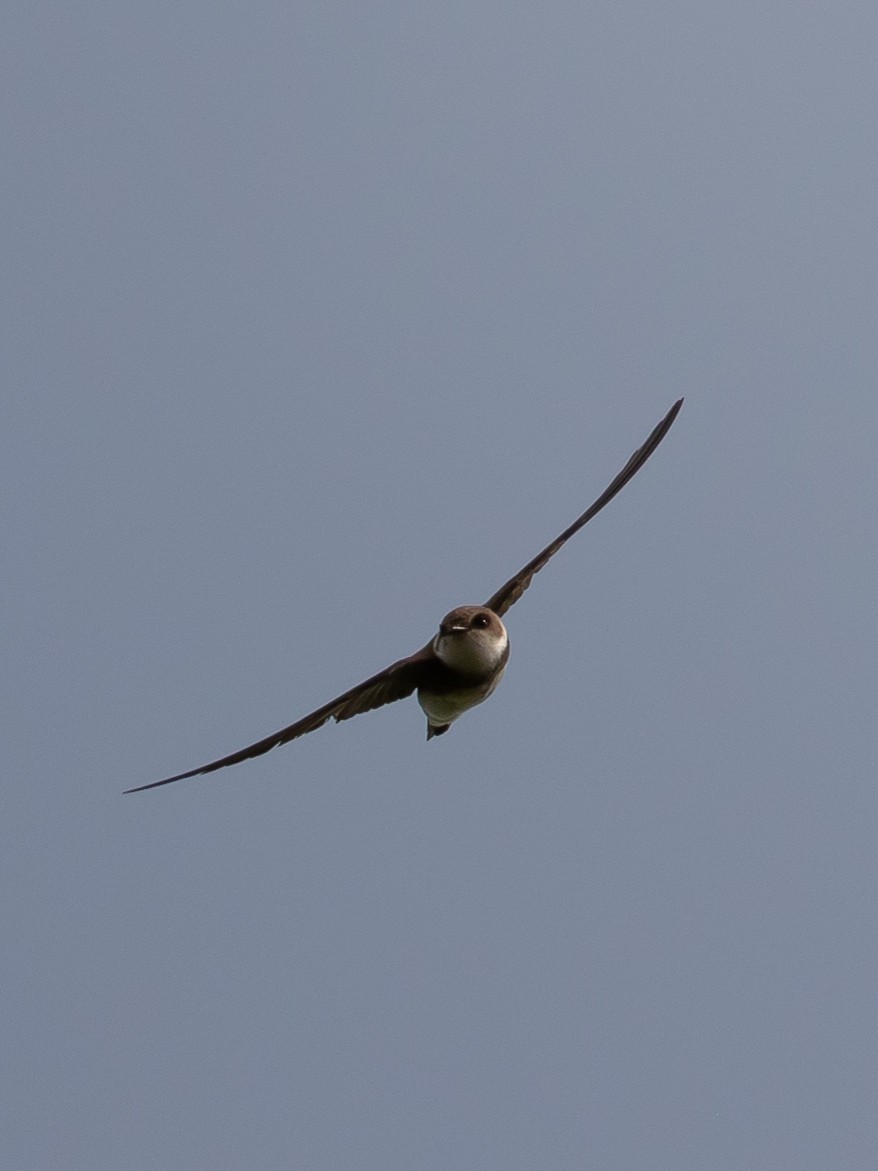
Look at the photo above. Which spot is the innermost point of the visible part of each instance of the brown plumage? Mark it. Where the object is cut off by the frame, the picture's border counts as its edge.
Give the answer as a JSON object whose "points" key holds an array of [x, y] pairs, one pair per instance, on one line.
{"points": [[460, 666]]}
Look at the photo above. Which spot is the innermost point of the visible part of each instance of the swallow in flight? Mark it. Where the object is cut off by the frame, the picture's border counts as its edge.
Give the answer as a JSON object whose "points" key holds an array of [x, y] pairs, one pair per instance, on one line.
{"points": [[461, 665]]}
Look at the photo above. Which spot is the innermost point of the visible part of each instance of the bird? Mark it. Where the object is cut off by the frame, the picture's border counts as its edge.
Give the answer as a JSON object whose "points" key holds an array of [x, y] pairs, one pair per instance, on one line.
{"points": [[460, 666]]}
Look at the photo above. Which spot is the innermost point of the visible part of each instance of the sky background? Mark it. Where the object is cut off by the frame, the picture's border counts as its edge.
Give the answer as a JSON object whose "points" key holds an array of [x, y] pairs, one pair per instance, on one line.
{"points": [[320, 319]]}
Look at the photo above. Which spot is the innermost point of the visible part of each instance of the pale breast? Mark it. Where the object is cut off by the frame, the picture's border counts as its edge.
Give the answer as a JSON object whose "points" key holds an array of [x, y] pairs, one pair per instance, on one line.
{"points": [[444, 707]]}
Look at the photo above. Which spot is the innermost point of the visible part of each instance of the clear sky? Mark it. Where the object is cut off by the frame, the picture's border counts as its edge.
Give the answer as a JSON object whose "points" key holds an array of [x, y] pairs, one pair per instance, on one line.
{"points": [[320, 319]]}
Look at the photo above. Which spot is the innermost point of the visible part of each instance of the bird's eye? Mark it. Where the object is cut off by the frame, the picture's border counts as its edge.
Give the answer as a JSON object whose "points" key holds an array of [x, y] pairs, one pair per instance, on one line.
{"points": [[481, 621]]}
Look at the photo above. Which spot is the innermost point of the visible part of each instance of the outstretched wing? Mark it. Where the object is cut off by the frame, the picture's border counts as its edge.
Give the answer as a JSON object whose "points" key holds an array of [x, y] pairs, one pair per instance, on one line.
{"points": [[509, 593], [394, 682]]}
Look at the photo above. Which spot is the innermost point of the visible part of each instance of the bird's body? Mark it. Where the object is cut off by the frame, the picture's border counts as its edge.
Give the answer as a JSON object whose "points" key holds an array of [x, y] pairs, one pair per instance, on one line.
{"points": [[461, 666], [470, 653]]}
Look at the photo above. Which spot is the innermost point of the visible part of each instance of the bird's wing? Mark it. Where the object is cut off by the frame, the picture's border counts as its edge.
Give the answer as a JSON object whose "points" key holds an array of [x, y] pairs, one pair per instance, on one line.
{"points": [[394, 682], [509, 593]]}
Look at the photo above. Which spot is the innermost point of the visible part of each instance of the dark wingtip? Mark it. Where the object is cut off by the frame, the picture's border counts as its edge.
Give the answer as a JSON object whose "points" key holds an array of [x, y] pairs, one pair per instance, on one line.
{"points": [[195, 772], [666, 422], [156, 784]]}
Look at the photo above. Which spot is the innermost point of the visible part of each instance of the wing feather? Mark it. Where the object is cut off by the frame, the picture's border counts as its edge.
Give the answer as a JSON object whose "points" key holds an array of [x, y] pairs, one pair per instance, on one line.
{"points": [[395, 682], [511, 591]]}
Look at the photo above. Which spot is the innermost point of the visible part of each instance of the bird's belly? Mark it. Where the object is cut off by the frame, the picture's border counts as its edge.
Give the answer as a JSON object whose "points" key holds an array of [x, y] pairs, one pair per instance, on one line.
{"points": [[444, 706]]}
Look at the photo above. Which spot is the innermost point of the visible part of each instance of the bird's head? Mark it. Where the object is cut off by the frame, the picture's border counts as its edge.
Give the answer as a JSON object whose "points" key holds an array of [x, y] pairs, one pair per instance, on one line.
{"points": [[472, 640]]}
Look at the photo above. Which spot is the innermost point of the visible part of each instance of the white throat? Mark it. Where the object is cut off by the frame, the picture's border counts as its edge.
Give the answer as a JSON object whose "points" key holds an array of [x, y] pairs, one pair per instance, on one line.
{"points": [[472, 652]]}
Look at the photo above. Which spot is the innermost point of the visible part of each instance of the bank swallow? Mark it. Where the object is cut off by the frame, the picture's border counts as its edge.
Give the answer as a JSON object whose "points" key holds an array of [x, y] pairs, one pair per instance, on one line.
{"points": [[461, 665]]}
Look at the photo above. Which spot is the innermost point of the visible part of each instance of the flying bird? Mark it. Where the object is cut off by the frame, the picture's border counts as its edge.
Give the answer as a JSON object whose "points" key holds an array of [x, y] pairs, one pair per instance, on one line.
{"points": [[460, 666]]}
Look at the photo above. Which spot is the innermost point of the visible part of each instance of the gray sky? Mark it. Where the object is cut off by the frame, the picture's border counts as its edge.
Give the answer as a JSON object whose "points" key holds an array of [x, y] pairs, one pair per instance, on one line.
{"points": [[320, 320]]}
